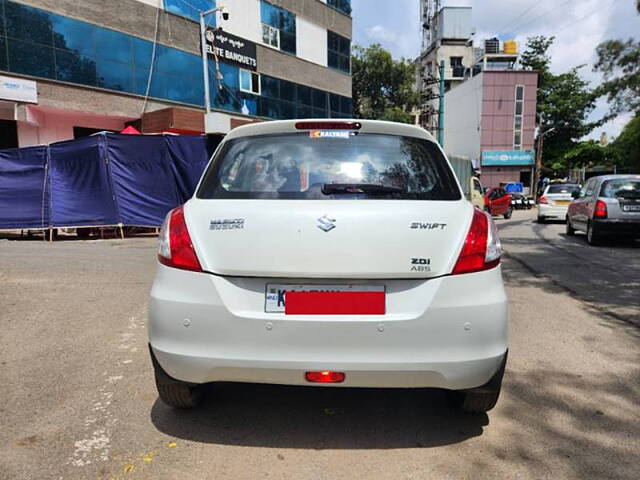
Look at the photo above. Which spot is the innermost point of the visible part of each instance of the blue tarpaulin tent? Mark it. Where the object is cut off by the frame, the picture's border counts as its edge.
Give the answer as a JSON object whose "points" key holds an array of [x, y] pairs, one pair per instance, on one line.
{"points": [[106, 179]]}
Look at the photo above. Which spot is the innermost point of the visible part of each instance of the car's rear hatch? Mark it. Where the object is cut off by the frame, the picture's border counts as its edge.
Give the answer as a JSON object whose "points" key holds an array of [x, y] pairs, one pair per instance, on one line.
{"points": [[329, 200], [293, 238], [622, 196]]}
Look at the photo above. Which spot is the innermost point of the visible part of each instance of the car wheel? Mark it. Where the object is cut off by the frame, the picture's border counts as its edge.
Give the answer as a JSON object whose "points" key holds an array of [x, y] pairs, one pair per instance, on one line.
{"points": [[569, 228], [507, 215], [593, 237], [173, 392], [481, 399], [541, 219]]}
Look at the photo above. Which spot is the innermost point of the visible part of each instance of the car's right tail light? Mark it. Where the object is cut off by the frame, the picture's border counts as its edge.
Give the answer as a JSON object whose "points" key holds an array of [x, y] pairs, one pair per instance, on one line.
{"points": [[543, 199], [481, 249], [600, 210], [176, 249]]}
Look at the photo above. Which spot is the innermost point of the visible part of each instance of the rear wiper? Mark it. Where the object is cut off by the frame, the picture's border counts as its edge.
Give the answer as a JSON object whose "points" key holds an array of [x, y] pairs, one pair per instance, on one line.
{"points": [[356, 188]]}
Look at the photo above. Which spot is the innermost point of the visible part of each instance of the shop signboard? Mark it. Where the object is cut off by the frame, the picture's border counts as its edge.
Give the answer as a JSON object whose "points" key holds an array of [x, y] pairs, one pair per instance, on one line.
{"points": [[499, 158], [18, 90], [231, 49]]}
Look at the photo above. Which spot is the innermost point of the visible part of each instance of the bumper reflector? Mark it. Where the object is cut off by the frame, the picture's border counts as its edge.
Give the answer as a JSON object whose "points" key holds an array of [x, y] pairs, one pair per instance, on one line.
{"points": [[334, 303], [324, 377]]}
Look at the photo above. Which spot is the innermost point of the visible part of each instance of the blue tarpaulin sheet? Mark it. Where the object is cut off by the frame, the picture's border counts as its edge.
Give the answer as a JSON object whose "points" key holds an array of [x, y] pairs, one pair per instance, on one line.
{"points": [[81, 192], [24, 199], [106, 179]]}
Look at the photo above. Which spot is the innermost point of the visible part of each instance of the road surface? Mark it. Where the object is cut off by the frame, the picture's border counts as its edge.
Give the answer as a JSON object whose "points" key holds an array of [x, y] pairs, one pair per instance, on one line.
{"points": [[78, 399]]}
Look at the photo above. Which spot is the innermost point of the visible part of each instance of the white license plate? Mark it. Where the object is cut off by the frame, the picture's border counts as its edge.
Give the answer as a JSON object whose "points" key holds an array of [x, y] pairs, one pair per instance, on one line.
{"points": [[631, 208], [275, 297]]}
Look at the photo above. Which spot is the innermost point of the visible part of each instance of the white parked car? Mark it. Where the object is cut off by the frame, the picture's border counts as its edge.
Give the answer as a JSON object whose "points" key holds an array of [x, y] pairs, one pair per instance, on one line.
{"points": [[329, 253], [554, 201]]}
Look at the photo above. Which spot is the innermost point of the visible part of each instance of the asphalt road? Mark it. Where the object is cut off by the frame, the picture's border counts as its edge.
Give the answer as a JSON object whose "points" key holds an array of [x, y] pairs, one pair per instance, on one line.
{"points": [[78, 400]]}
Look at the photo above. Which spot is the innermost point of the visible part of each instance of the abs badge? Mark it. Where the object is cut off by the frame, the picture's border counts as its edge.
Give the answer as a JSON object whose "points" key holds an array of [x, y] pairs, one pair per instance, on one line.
{"points": [[330, 134], [421, 265], [227, 224]]}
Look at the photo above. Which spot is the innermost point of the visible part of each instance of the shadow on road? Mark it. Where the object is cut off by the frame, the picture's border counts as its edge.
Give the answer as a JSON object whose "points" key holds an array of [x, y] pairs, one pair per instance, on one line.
{"points": [[320, 418]]}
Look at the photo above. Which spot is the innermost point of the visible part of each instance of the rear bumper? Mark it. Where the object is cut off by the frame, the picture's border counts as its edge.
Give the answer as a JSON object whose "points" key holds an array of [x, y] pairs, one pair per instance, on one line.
{"points": [[448, 332], [552, 211], [620, 226]]}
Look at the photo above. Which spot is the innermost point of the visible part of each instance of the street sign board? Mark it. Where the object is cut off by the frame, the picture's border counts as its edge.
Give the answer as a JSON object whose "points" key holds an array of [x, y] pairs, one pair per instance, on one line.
{"points": [[232, 49], [507, 157]]}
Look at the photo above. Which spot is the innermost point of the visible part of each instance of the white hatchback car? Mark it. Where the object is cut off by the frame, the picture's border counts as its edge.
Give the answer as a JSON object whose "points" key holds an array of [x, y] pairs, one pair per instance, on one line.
{"points": [[554, 201], [329, 253]]}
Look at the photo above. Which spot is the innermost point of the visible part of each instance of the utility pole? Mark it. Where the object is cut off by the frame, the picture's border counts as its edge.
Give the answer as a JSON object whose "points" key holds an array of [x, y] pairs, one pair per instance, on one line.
{"points": [[203, 47], [538, 166], [441, 108]]}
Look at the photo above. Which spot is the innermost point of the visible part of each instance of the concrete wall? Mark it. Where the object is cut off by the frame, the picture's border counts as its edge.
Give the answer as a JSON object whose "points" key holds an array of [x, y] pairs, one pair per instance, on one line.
{"points": [[498, 108], [312, 41], [244, 20], [462, 118]]}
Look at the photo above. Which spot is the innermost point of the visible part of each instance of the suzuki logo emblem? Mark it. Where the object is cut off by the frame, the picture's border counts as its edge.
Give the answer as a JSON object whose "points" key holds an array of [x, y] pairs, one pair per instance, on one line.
{"points": [[326, 224]]}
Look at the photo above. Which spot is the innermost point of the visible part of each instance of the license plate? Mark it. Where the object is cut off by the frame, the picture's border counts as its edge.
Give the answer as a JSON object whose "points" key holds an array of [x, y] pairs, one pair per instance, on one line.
{"points": [[325, 299], [563, 202], [631, 208]]}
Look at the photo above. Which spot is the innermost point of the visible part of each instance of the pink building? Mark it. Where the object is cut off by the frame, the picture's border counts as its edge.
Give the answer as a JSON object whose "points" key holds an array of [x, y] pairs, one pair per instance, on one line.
{"points": [[490, 118]]}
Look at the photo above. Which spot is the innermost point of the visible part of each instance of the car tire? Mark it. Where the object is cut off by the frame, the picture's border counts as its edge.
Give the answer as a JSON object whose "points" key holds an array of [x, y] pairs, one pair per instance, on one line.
{"points": [[507, 215], [570, 231], [175, 393], [541, 219], [178, 395], [480, 399], [593, 237]]}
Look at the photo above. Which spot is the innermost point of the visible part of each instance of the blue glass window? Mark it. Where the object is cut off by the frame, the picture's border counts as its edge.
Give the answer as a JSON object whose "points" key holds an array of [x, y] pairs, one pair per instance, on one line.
{"points": [[190, 8], [46, 45], [343, 5], [338, 52], [282, 20]]}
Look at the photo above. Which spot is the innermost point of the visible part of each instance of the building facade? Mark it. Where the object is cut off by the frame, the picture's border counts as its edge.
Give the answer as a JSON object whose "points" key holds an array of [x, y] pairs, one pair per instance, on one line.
{"points": [[447, 39], [99, 65], [491, 119]]}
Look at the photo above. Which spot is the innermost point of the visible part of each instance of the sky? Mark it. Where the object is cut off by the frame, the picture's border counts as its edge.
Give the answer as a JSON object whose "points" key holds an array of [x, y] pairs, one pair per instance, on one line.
{"points": [[578, 25]]}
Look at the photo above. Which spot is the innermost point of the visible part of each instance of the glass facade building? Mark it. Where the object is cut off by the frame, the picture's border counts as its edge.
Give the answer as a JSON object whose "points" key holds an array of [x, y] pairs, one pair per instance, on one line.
{"points": [[343, 5], [42, 44]]}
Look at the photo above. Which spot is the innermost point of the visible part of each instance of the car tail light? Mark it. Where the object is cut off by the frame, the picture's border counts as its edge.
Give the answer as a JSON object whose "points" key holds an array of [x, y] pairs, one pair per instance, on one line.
{"points": [[481, 249], [328, 125], [176, 249], [543, 199], [325, 377], [600, 210]]}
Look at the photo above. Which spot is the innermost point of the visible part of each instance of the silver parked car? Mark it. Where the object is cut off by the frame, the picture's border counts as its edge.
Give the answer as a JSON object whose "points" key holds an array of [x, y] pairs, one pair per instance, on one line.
{"points": [[606, 205]]}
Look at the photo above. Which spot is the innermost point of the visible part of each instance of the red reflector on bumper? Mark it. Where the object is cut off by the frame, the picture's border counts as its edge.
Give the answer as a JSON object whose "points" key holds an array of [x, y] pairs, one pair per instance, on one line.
{"points": [[334, 303], [324, 377]]}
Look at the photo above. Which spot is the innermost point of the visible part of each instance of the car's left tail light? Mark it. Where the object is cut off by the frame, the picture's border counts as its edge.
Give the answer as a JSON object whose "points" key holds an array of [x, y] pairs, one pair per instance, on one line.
{"points": [[601, 210], [176, 249], [481, 249]]}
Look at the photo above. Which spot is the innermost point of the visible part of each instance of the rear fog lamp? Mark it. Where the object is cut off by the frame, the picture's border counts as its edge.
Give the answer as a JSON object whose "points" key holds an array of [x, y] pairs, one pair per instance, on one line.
{"points": [[325, 377]]}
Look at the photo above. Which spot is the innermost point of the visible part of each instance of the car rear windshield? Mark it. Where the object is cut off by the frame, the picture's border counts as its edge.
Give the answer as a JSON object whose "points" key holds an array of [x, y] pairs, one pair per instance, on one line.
{"points": [[329, 165], [621, 188], [564, 188]]}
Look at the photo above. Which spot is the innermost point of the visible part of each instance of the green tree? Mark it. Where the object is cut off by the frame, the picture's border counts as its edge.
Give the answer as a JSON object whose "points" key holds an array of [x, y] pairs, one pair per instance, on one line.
{"points": [[584, 154], [619, 63], [626, 147], [565, 102], [382, 87]]}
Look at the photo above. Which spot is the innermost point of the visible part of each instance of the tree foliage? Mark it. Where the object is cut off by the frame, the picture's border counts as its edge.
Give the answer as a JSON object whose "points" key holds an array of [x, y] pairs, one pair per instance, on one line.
{"points": [[626, 147], [619, 63], [565, 102], [382, 87]]}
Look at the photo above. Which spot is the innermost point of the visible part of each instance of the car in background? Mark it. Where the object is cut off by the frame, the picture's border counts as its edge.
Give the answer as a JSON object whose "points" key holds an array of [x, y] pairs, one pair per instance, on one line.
{"points": [[520, 202], [606, 205], [555, 200], [498, 202], [329, 253]]}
